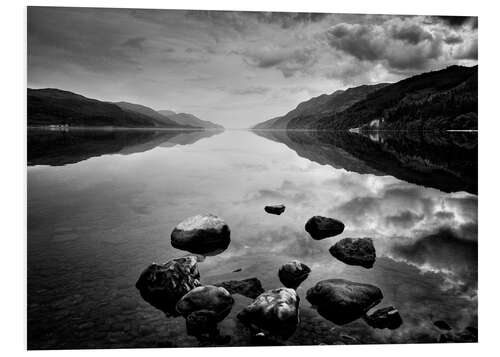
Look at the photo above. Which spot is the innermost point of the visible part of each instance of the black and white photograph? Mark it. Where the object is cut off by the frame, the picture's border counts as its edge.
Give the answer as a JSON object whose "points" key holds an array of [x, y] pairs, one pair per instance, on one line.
{"points": [[229, 178]]}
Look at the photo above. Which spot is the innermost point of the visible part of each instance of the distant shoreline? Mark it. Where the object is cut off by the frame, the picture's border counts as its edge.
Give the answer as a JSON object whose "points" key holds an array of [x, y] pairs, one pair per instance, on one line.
{"points": [[371, 131], [115, 128]]}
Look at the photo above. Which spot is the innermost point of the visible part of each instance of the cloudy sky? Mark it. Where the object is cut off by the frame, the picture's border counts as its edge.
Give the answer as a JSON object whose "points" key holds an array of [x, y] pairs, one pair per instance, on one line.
{"points": [[233, 68]]}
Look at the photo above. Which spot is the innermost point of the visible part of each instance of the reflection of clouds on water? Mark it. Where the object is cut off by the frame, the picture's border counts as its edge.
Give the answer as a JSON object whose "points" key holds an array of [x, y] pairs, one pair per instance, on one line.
{"points": [[446, 253], [406, 211], [287, 192], [431, 233], [127, 205], [404, 219]]}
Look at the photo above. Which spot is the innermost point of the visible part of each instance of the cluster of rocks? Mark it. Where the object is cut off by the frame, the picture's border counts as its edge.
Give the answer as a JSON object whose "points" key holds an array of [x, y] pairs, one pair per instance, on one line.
{"points": [[175, 288], [342, 301], [164, 285]]}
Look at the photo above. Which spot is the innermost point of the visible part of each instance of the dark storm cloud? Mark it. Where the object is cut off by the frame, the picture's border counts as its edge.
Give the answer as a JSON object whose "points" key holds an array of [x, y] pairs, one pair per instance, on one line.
{"points": [[289, 19], [401, 46], [412, 34], [458, 21], [356, 40], [288, 60], [238, 20]]}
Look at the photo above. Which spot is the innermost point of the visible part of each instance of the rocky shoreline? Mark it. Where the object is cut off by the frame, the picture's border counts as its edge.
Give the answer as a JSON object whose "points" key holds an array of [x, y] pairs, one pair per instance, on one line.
{"points": [[176, 287]]}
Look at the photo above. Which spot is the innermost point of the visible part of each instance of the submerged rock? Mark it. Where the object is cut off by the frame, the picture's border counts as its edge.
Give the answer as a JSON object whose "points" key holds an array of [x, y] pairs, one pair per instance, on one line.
{"points": [[323, 227], [355, 251], [442, 325], [163, 285], [201, 234], [469, 334], [275, 312], [202, 322], [250, 287], [208, 297], [275, 209], [342, 301], [387, 317], [292, 274]]}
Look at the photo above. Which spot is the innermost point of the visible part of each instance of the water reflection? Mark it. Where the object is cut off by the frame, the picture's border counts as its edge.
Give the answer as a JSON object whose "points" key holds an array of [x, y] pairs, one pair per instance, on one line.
{"points": [[447, 161], [61, 147], [95, 225]]}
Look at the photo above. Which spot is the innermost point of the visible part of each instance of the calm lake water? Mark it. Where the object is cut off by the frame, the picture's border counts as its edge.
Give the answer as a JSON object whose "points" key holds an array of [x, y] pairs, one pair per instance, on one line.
{"points": [[102, 205]]}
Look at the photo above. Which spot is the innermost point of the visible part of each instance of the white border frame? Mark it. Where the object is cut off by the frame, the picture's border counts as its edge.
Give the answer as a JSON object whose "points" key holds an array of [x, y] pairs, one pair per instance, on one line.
{"points": [[13, 321]]}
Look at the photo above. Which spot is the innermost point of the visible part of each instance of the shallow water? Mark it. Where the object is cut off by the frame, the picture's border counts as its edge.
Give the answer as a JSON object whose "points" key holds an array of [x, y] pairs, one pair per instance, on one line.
{"points": [[102, 205]]}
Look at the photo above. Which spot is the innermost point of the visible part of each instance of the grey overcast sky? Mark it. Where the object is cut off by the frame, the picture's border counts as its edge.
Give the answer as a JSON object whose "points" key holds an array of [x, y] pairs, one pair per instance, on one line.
{"points": [[233, 68]]}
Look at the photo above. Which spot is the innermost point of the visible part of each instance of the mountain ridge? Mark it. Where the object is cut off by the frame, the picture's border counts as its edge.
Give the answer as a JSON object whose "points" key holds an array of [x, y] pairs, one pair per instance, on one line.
{"points": [[442, 99], [323, 104], [53, 106], [189, 119]]}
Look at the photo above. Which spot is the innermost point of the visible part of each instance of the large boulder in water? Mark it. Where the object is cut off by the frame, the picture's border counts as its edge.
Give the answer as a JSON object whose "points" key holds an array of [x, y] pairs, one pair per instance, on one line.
{"points": [[204, 307], [275, 209], [276, 312], [387, 317], [163, 285], [208, 297], [201, 234], [342, 301], [323, 227], [355, 251], [292, 274]]}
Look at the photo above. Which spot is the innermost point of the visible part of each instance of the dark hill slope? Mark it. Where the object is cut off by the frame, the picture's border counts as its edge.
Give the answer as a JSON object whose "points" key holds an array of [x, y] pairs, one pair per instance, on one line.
{"points": [[189, 119], [445, 99], [57, 107], [307, 112], [141, 109]]}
